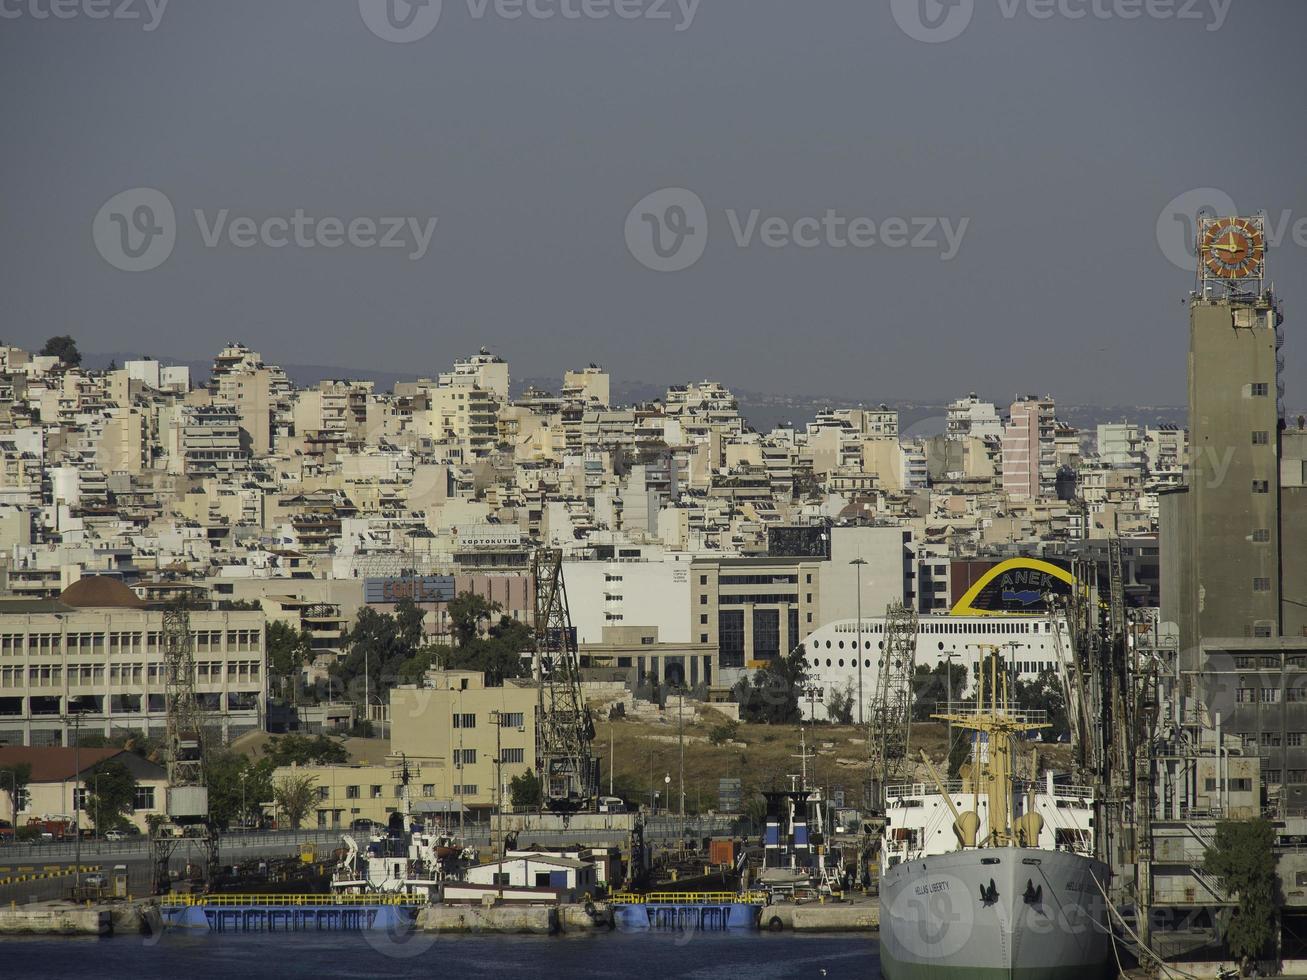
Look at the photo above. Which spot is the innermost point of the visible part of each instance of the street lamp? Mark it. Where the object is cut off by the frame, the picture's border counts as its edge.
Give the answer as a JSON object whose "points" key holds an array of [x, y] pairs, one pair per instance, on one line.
{"points": [[13, 797], [857, 563], [244, 813]]}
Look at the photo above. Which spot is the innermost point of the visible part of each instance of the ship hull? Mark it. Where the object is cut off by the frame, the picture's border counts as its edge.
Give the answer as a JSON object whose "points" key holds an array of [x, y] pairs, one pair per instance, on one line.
{"points": [[1012, 913]]}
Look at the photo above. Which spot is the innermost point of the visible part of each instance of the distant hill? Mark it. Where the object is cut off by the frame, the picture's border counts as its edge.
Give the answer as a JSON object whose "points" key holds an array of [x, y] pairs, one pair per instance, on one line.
{"points": [[764, 410]]}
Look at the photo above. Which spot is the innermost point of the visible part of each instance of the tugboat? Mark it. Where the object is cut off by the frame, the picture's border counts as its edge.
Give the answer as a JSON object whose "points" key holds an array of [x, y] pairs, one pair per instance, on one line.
{"points": [[406, 858], [992, 877]]}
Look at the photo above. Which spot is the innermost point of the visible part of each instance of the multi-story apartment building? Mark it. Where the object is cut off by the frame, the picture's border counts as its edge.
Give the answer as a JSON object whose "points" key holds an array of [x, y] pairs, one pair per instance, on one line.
{"points": [[1029, 451]]}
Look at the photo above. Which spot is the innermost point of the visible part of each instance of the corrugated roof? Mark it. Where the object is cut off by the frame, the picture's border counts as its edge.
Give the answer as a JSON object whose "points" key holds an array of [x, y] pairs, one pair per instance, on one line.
{"points": [[55, 763]]}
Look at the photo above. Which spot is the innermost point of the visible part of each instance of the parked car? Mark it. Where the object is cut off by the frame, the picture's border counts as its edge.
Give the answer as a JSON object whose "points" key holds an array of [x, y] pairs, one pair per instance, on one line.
{"points": [[364, 824], [94, 880], [116, 835]]}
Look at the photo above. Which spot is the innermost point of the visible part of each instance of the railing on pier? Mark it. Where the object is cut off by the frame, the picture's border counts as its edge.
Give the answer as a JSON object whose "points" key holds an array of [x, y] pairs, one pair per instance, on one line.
{"points": [[317, 901], [688, 898]]}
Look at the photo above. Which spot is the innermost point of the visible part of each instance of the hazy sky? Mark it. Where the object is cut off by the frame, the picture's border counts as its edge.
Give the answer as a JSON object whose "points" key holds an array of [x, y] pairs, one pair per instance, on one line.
{"points": [[1050, 146]]}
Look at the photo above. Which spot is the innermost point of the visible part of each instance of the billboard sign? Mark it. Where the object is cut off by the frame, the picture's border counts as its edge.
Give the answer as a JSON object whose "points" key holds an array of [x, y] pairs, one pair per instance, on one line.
{"points": [[419, 588]]}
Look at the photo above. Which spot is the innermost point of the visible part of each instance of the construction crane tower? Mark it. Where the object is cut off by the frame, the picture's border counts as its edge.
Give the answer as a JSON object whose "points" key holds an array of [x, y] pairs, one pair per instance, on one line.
{"points": [[890, 723], [564, 729], [187, 796]]}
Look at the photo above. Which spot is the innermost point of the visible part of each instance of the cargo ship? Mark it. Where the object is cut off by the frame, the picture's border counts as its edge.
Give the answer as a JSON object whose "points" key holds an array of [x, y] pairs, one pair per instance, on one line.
{"points": [[991, 876]]}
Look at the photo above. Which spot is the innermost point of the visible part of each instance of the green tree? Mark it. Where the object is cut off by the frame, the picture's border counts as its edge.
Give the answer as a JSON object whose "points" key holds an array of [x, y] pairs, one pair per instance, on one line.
{"points": [[1242, 857], [467, 611], [289, 650], [930, 686], [840, 703], [294, 795], [14, 780], [498, 654], [301, 750], [525, 790], [63, 347], [373, 642], [408, 622], [235, 779], [1046, 693], [773, 696], [110, 794]]}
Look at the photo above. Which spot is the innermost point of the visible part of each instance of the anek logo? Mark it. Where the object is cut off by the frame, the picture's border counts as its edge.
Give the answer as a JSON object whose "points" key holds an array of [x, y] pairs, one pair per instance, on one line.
{"points": [[400, 21], [135, 230]]}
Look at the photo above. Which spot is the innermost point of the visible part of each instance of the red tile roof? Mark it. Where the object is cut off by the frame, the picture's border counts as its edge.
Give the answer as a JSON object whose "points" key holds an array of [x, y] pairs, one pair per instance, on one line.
{"points": [[54, 763]]}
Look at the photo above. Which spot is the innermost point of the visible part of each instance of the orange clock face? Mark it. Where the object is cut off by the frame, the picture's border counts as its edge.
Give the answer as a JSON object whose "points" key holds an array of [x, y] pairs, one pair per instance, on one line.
{"points": [[1233, 248]]}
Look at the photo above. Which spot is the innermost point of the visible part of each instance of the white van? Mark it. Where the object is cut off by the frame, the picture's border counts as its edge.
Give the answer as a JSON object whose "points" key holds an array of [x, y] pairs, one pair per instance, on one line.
{"points": [[611, 804]]}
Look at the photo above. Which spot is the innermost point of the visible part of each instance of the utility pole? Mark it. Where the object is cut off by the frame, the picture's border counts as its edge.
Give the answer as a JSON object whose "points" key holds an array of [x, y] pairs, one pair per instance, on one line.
{"points": [[948, 680], [499, 785], [611, 751], [857, 563], [78, 805], [680, 725]]}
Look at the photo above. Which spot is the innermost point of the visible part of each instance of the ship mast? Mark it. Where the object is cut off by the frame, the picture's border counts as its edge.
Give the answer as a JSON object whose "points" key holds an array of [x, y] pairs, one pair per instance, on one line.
{"points": [[997, 718]]}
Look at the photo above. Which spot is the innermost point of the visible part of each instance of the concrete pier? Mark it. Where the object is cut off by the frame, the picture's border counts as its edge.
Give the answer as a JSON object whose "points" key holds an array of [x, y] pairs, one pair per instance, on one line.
{"points": [[54, 919], [540, 920], [831, 917]]}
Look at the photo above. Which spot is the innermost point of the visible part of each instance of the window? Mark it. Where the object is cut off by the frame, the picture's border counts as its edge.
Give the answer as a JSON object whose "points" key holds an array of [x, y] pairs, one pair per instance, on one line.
{"points": [[511, 719], [376, 792], [512, 755], [351, 792], [465, 757], [1261, 486], [465, 721], [1293, 739], [1244, 695], [466, 789], [703, 619], [428, 789], [1296, 694], [143, 798], [1259, 389], [1241, 785], [1261, 438], [1261, 535], [1261, 585]]}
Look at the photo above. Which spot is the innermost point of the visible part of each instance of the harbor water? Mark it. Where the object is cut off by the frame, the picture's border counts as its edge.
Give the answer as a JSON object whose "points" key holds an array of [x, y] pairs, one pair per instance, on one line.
{"points": [[253, 956]]}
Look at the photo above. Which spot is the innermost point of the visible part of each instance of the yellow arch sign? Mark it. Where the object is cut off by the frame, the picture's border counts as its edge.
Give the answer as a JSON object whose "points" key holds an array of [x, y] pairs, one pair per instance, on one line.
{"points": [[966, 605]]}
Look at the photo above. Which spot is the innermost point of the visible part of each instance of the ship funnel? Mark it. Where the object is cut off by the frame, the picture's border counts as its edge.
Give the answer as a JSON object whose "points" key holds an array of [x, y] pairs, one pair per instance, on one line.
{"points": [[967, 827]]}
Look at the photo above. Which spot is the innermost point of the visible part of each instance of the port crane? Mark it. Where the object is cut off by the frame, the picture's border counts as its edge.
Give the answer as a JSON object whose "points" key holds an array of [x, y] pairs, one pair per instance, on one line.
{"points": [[186, 805], [890, 723], [565, 729]]}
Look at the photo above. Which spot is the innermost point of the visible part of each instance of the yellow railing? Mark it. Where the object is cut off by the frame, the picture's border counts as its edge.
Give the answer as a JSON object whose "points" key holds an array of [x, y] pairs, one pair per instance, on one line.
{"points": [[687, 898], [293, 900]]}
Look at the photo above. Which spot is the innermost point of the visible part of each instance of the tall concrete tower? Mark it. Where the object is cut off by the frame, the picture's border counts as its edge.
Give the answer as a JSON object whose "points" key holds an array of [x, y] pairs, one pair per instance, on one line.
{"points": [[1234, 480], [1222, 535]]}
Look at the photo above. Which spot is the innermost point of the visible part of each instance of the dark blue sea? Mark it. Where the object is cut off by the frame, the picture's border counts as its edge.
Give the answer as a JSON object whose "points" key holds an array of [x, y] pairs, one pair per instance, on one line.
{"points": [[250, 956]]}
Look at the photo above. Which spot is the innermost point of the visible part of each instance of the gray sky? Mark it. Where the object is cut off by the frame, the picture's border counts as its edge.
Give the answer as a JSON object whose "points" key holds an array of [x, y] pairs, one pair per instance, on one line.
{"points": [[1060, 141]]}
